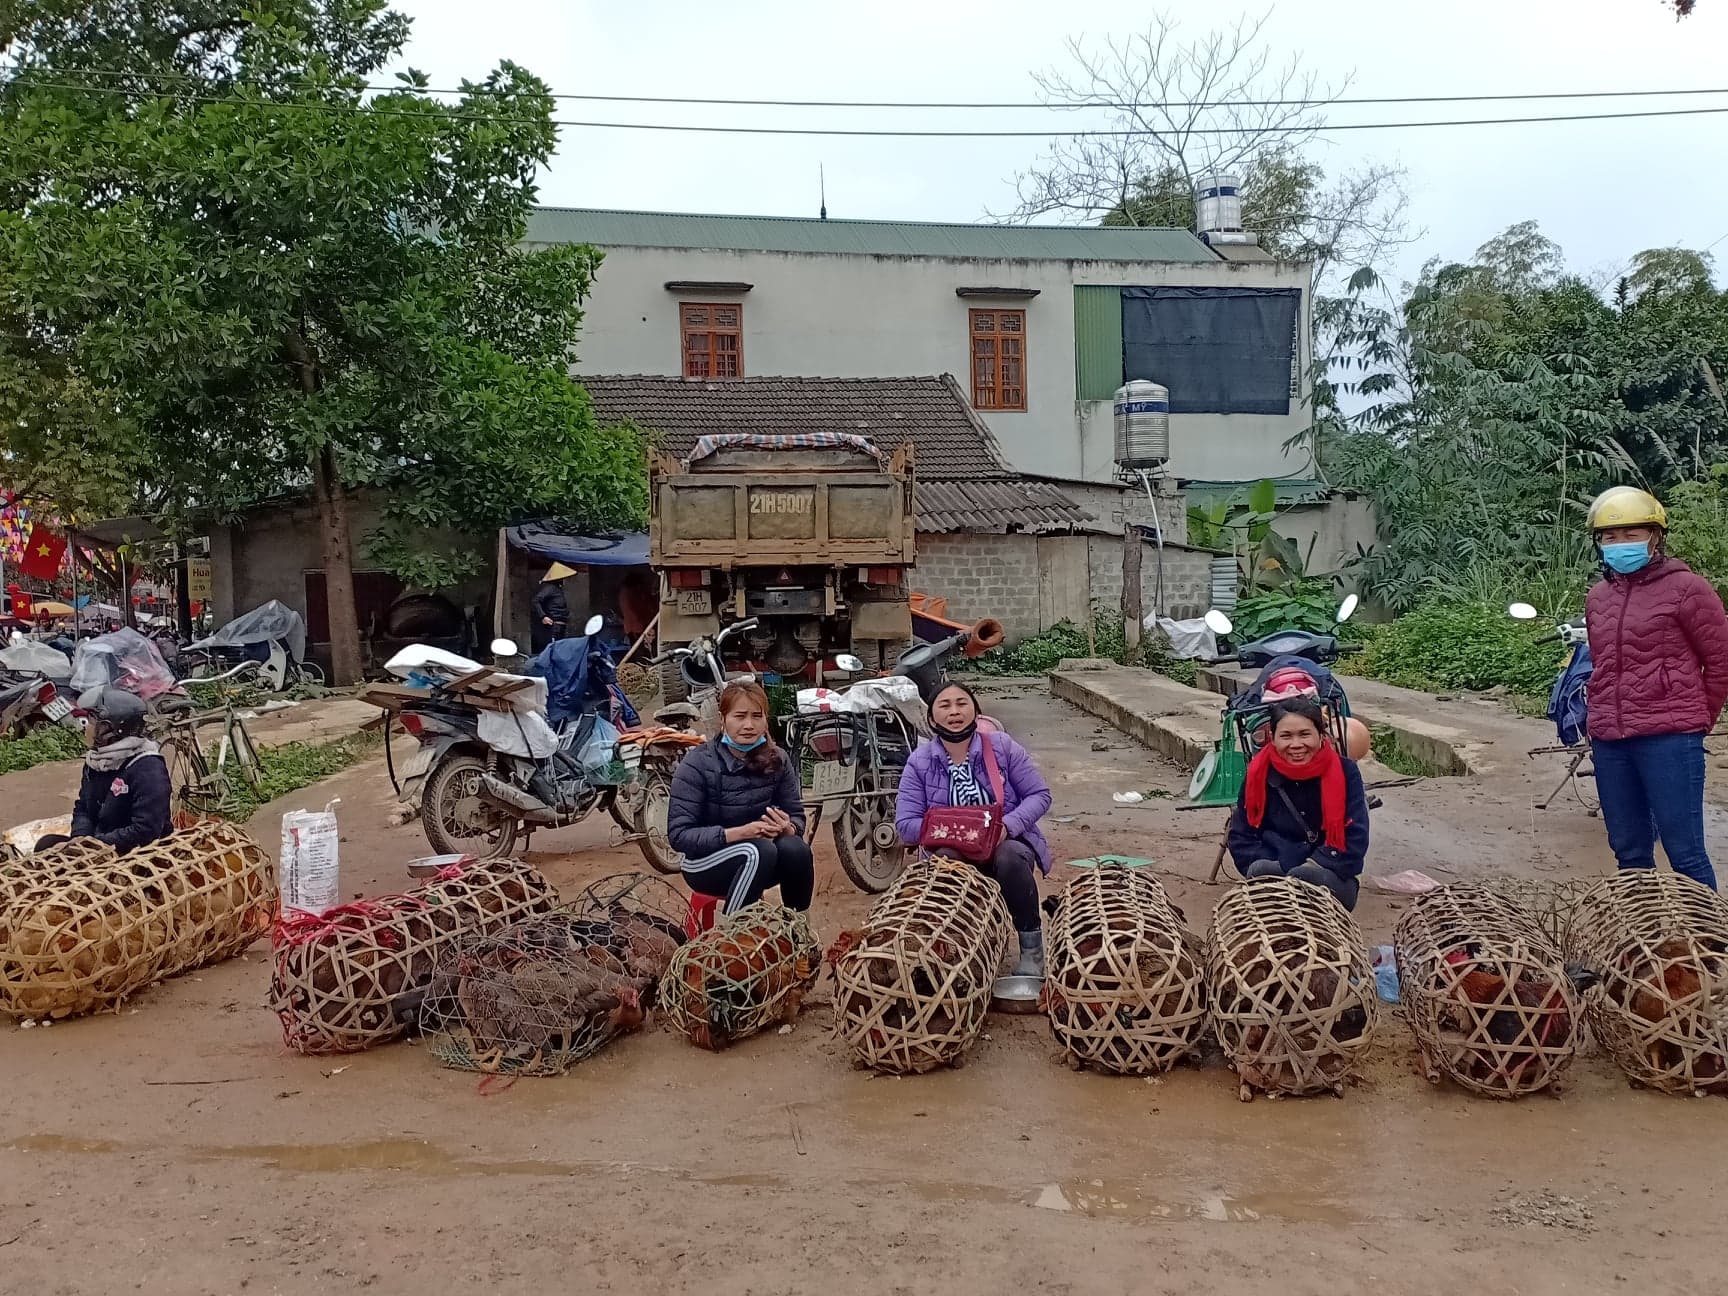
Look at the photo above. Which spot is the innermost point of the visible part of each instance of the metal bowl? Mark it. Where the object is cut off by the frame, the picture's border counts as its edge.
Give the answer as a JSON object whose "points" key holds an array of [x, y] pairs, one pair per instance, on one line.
{"points": [[429, 866], [1016, 994]]}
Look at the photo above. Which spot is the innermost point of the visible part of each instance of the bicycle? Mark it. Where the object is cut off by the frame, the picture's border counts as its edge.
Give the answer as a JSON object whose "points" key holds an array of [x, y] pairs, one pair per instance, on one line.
{"points": [[203, 785], [278, 672]]}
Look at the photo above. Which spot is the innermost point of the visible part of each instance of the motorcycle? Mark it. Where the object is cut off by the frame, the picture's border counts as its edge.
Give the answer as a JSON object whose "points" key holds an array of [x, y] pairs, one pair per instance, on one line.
{"points": [[702, 666], [28, 699], [1568, 708], [858, 748], [503, 754]]}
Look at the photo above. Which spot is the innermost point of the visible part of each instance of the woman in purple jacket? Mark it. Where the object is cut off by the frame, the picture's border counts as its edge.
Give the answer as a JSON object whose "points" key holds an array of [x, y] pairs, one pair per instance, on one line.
{"points": [[949, 770], [1659, 642]]}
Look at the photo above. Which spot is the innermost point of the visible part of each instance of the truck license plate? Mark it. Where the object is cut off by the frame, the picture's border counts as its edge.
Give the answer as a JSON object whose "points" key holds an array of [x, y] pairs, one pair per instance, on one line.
{"points": [[695, 602], [833, 778]]}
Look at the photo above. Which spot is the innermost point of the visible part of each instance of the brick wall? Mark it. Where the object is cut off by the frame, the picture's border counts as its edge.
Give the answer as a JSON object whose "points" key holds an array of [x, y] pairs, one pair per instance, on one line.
{"points": [[1031, 582], [983, 575]]}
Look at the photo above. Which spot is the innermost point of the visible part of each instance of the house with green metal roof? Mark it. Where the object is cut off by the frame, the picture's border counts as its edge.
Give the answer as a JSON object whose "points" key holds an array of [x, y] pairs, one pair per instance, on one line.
{"points": [[1040, 324]]}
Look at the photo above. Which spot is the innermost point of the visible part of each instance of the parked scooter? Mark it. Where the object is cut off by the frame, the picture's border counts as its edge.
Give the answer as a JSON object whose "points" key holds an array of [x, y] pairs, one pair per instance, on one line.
{"points": [[857, 753], [492, 767], [1568, 708], [29, 699], [702, 665]]}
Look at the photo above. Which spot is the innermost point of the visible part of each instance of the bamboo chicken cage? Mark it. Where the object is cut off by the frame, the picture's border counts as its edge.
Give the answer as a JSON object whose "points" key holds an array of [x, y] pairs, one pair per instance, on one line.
{"points": [[98, 927], [1486, 993], [748, 971], [913, 987], [1292, 989], [357, 974], [1125, 984], [1659, 942], [542, 995]]}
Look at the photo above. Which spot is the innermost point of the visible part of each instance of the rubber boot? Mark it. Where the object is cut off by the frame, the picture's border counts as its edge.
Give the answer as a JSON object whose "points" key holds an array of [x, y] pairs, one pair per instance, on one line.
{"points": [[1031, 962]]}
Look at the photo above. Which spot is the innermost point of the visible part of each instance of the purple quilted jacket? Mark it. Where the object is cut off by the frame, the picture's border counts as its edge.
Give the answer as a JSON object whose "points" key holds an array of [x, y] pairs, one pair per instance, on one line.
{"points": [[1659, 641], [1025, 794]]}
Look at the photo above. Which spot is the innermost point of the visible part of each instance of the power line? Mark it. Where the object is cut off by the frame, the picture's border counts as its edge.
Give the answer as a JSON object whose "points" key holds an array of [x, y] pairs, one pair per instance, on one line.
{"points": [[1111, 105], [688, 127]]}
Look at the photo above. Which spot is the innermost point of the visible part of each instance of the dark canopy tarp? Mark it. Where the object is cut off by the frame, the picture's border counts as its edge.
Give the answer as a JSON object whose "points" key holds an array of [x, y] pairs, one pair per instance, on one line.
{"points": [[608, 549], [1218, 350]]}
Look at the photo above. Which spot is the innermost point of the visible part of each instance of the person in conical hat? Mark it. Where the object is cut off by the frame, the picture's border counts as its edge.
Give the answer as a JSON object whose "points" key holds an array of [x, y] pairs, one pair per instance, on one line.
{"points": [[551, 608]]}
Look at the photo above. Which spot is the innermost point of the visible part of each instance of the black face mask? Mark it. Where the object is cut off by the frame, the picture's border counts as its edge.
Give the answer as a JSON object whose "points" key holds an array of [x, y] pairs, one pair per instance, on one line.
{"points": [[956, 735]]}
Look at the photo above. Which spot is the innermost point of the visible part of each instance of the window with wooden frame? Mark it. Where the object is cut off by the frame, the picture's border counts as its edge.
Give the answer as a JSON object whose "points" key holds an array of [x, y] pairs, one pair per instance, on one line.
{"points": [[998, 339], [713, 334]]}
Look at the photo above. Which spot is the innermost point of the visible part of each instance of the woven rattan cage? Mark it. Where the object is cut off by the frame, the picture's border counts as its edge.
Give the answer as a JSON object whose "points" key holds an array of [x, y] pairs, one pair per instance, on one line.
{"points": [[1486, 993], [1291, 986], [912, 990], [356, 975], [98, 927], [542, 995], [20, 875], [1659, 942], [749, 971], [1125, 983]]}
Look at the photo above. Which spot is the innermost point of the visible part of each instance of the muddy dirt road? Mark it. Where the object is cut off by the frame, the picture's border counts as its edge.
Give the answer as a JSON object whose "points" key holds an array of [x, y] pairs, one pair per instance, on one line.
{"points": [[177, 1148]]}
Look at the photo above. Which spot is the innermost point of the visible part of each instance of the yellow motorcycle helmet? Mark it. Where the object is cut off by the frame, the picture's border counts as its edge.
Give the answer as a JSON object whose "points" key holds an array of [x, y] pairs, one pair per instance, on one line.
{"points": [[1626, 506]]}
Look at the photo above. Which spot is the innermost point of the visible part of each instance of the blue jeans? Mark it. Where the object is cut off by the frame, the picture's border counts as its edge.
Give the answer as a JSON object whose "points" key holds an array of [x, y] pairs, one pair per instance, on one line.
{"points": [[1654, 787]]}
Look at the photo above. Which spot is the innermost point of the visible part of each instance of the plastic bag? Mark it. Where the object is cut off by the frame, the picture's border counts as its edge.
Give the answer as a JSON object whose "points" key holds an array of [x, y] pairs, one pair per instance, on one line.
{"points": [[270, 622], [865, 695], [311, 873], [1187, 638], [27, 655], [597, 748], [124, 659]]}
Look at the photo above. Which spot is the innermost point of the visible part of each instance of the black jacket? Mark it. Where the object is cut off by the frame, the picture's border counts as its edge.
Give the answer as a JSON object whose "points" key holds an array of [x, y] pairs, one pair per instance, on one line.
{"points": [[713, 791], [1284, 837], [128, 807], [549, 601]]}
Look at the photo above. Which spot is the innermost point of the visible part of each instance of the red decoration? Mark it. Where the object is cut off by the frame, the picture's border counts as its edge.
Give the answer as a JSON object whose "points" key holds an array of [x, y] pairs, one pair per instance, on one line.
{"points": [[43, 554]]}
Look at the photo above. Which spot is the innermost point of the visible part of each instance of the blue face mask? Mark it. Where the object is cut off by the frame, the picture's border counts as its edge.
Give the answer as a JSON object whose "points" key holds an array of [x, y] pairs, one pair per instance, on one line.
{"points": [[1626, 557], [726, 741]]}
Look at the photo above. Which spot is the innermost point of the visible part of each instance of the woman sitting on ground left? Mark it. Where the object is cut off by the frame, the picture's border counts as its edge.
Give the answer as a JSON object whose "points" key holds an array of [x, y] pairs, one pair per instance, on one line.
{"points": [[735, 810], [125, 799]]}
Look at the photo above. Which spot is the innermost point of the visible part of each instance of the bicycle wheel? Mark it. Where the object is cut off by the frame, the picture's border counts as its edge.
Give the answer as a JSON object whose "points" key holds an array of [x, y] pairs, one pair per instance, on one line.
{"points": [[245, 752], [306, 672], [198, 787]]}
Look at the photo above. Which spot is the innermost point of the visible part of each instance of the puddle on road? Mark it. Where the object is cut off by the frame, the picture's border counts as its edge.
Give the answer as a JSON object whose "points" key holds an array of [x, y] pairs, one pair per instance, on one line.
{"points": [[60, 1143], [1106, 1200], [1095, 1198]]}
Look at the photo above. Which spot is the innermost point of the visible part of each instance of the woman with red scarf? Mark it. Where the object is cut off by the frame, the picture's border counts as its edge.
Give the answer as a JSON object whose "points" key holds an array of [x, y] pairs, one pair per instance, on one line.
{"points": [[1302, 812]]}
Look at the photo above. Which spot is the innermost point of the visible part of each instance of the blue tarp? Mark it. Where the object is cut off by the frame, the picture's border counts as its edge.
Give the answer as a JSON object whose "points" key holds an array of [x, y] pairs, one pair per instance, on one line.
{"points": [[607, 549], [577, 680]]}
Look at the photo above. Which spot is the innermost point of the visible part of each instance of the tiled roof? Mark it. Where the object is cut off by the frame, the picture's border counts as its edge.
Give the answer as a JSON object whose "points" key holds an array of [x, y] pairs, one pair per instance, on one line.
{"points": [[606, 229], [963, 481]]}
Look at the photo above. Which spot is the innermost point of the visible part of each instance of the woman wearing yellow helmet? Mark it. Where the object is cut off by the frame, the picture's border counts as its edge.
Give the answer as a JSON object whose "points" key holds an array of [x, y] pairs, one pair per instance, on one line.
{"points": [[1659, 641]]}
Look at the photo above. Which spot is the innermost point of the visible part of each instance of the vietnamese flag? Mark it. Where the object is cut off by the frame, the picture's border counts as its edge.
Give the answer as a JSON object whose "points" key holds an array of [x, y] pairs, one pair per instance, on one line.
{"points": [[43, 554]]}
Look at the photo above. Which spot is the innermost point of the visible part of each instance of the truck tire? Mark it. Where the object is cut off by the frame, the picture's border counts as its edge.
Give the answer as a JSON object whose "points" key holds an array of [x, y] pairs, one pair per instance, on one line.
{"points": [[883, 653], [673, 686]]}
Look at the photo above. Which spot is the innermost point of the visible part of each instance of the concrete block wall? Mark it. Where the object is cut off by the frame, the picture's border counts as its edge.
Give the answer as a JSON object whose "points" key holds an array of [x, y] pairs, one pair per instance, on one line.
{"points": [[1187, 576], [983, 575]]}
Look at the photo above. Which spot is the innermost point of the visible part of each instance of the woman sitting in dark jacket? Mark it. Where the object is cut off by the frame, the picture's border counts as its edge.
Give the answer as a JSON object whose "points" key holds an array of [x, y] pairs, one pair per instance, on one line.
{"points": [[736, 814], [125, 798], [1302, 812]]}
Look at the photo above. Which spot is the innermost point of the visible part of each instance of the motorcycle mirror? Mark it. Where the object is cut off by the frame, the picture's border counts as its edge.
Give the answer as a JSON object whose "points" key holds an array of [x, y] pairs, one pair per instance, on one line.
{"points": [[1218, 623], [848, 663], [504, 648], [1522, 612], [1347, 608], [593, 624]]}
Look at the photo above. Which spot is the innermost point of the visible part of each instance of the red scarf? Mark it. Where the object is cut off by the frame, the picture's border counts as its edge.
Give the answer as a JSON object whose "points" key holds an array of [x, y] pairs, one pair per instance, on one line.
{"points": [[1325, 765]]}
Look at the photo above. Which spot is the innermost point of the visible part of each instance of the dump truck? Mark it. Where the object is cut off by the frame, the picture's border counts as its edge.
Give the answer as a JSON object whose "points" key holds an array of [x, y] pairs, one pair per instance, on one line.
{"points": [[810, 535]]}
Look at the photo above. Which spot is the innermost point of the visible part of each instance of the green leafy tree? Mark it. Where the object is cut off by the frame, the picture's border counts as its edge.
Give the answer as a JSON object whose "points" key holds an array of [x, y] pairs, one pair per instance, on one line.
{"points": [[281, 280]]}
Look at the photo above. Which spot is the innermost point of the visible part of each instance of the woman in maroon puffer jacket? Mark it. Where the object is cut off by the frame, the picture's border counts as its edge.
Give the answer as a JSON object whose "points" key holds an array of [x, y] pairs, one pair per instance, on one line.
{"points": [[1659, 641]]}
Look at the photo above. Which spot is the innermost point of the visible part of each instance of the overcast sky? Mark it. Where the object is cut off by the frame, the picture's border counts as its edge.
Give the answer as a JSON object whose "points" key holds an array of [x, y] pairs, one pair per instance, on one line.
{"points": [[1602, 190]]}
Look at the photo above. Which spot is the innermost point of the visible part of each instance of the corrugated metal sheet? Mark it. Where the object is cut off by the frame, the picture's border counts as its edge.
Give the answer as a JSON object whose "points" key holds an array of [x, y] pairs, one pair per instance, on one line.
{"points": [[1097, 341], [994, 506], [867, 238]]}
